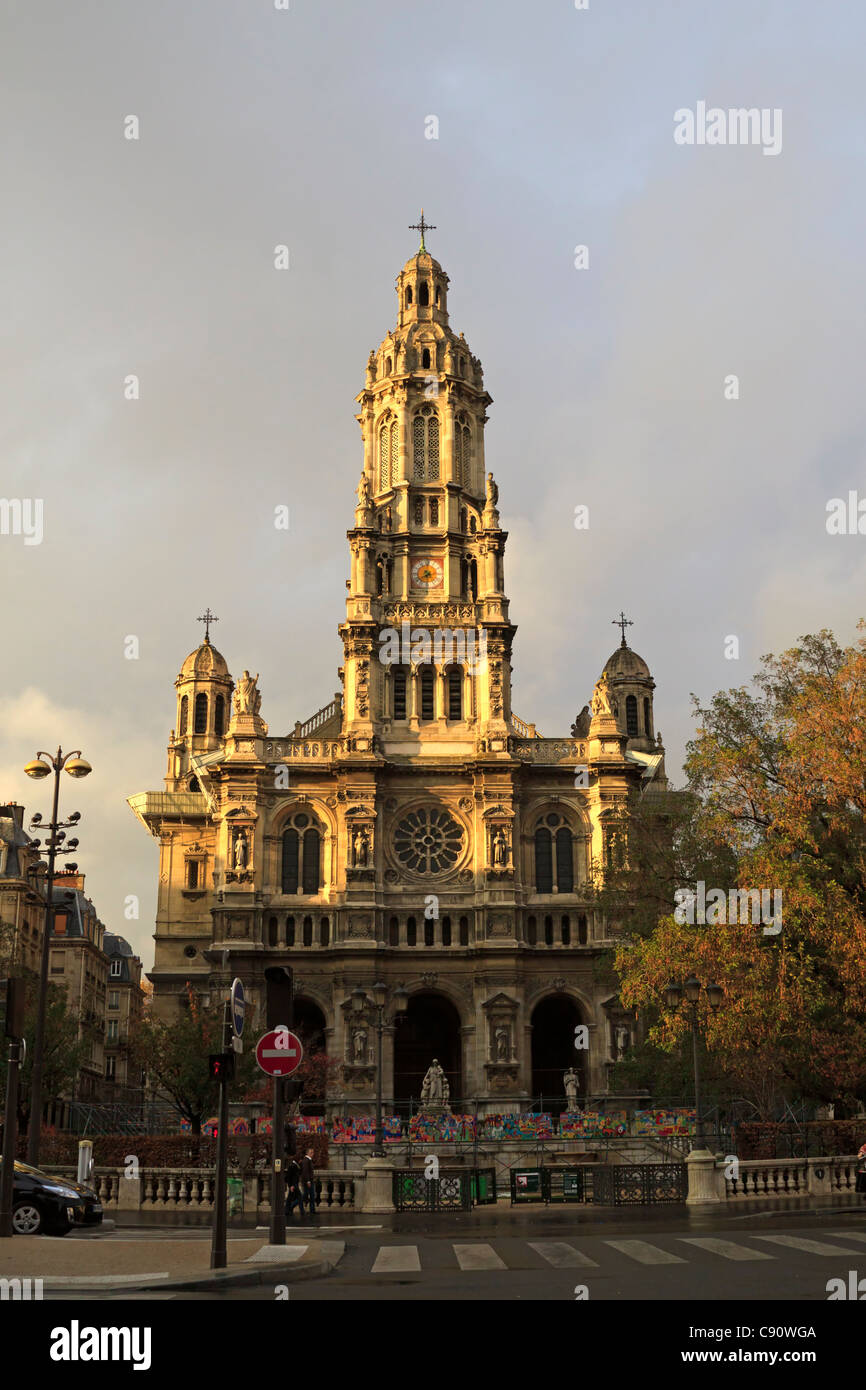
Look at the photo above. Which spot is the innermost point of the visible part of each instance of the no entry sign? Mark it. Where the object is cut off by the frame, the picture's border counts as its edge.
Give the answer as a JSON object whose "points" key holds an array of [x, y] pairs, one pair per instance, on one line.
{"points": [[279, 1052]]}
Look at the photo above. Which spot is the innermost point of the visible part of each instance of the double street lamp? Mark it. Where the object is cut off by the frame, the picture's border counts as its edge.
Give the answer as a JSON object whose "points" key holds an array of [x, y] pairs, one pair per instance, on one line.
{"points": [[361, 1003], [76, 766], [673, 998]]}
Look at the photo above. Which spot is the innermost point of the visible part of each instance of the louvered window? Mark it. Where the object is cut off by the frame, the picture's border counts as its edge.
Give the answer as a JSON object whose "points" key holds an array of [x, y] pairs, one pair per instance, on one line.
{"points": [[290, 862], [312, 849], [200, 714], [427, 679], [631, 715], [419, 433], [394, 450]]}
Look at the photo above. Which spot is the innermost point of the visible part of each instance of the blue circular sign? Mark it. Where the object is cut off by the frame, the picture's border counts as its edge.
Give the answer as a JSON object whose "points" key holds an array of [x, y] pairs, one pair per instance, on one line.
{"points": [[239, 1005]]}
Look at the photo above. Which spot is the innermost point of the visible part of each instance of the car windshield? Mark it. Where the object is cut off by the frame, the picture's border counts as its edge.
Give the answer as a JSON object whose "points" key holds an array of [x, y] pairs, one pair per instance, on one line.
{"points": [[33, 1172]]}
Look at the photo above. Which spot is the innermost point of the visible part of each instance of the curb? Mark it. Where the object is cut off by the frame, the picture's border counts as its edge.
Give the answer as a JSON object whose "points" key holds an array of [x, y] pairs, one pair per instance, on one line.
{"points": [[235, 1276]]}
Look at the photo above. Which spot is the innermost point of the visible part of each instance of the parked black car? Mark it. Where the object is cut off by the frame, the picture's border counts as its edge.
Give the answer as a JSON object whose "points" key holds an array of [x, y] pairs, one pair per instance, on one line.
{"points": [[47, 1205]]}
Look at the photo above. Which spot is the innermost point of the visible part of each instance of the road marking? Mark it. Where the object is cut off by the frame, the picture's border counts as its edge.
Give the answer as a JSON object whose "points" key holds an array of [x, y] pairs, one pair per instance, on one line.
{"points": [[728, 1249], [562, 1256], [848, 1235], [812, 1247], [478, 1257], [644, 1253], [92, 1281], [397, 1259]]}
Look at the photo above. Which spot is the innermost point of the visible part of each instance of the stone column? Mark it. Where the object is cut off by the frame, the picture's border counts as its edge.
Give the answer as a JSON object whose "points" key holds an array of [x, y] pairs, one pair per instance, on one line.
{"points": [[703, 1179]]}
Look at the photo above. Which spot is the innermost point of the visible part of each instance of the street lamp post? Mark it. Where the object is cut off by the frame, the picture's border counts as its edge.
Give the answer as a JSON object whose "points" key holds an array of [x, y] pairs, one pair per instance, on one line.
{"points": [[673, 999], [360, 1004], [76, 766]]}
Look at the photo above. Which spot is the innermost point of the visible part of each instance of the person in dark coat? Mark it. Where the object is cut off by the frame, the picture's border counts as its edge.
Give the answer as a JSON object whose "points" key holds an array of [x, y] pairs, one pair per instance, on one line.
{"points": [[308, 1182], [293, 1186]]}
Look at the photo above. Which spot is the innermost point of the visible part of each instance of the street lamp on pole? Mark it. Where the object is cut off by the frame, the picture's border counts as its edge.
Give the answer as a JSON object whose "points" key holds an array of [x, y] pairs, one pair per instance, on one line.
{"points": [[76, 766], [673, 998], [360, 1004]]}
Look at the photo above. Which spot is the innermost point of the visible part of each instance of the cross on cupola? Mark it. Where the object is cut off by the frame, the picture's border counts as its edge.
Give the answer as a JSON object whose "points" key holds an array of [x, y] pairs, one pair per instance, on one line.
{"points": [[207, 619], [422, 227], [622, 622]]}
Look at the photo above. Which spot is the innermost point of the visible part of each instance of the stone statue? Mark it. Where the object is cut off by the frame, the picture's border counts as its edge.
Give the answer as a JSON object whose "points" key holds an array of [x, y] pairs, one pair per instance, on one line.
{"points": [[446, 1091], [601, 702], [571, 1082], [492, 491], [623, 1038], [501, 1044], [247, 697], [580, 727], [364, 491], [361, 848], [500, 848], [240, 850], [359, 1042], [433, 1085]]}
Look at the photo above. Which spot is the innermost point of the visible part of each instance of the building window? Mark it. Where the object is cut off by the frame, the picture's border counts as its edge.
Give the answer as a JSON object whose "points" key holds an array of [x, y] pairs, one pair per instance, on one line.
{"points": [[114, 999], [272, 931], [647, 721], [219, 719], [462, 451], [393, 932], [290, 861], [60, 919], [427, 693], [200, 726], [419, 511], [425, 444], [565, 929], [543, 861], [111, 1033], [434, 511], [631, 716], [110, 1068], [192, 873], [446, 931], [429, 927], [194, 784], [325, 932], [308, 931], [423, 293], [564, 860], [425, 358], [302, 855], [184, 714], [411, 934], [409, 296], [581, 930], [554, 856], [464, 931], [399, 687], [548, 931], [455, 694], [531, 931], [312, 855], [290, 931], [387, 452], [116, 968]]}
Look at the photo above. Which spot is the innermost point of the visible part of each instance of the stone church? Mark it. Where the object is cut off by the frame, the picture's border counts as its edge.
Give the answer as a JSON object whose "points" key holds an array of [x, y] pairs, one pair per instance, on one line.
{"points": [[414, 831]]}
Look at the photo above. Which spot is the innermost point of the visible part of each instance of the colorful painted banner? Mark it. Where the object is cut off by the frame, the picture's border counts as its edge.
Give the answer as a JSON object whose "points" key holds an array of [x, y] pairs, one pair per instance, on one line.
{"points": [[659, 1123], [529, 1126], [441, 1129], [591, 1124], [361, 1129]]}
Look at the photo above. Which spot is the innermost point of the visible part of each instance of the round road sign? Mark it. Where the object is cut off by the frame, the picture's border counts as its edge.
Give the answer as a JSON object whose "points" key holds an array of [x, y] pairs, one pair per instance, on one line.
{"points": [[239, 1005], [279, 1052]]}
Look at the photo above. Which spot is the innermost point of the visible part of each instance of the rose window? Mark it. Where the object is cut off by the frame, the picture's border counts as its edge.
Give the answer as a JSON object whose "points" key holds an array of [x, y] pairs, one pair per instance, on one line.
{"points": [[428, 841]]}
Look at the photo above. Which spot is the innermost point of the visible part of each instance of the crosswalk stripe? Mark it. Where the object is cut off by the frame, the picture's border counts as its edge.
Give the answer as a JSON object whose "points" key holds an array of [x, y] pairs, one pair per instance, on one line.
{"points": [[644, 1253], [848, 1235], [728, 1249], [397, 1259], [478, 1256], [562, 1256], [813, 1247]]}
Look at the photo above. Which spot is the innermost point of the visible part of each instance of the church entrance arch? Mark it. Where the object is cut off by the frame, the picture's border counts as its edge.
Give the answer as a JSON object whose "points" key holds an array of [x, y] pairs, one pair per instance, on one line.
{"points": [[430, 1028], [553, 1021]]}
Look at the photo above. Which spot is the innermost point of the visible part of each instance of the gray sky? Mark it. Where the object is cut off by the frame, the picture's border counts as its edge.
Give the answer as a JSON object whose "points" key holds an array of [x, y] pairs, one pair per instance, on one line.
{"points": [[307, 127]]}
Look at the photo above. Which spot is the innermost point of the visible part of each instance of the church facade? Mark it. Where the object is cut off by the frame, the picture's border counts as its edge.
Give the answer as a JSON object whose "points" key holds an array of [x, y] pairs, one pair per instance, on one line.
{"points": [[414, 831]]}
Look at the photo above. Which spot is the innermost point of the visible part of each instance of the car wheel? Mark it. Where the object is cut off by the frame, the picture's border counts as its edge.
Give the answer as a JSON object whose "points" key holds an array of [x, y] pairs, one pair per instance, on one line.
{"points": [[26, 1219]]}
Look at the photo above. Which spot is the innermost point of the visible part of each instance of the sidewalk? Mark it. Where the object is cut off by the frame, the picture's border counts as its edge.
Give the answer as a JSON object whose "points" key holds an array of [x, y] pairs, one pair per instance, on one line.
{"points": [[115, 1263]]}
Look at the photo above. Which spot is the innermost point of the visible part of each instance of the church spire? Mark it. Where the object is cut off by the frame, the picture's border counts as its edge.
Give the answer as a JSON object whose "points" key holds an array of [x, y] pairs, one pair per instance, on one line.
{"points": [[422, 227]]}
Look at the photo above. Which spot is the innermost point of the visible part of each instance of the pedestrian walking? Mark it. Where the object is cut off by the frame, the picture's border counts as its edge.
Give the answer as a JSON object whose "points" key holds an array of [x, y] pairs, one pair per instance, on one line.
{"points": [[308, 1182], [293, 1186]]}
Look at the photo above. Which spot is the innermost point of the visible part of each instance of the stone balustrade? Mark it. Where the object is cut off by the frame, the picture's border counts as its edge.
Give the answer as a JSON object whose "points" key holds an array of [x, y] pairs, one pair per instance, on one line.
{"points": [[192, 1189], [710, 1178]]}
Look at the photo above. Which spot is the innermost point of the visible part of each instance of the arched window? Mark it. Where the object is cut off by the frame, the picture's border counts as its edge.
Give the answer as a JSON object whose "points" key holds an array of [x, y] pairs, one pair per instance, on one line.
{"points": [[429, 926], [565, 929], [564, 860], [312, 852], [388, 450], [446, 931], [438, 295], [647, 720], [423, 293], [184, 714], [473, 525], [200, 726], [409, 295], [290, 931], [308, 931], [428, 677], [324, 932], [455, 693], [192, 873], [425, 444], [272, 931], [399, 688], [290, 861], [425, 358], [418, 511], [463, 519], [543, 861], [411, 935], [581, 930], [194, 784], [548, 931], [462, 455], [434, 511], [219, 718], [464, 931], [393, 932], [631, 715], [531, 931], [472, 575], [388, 365]]}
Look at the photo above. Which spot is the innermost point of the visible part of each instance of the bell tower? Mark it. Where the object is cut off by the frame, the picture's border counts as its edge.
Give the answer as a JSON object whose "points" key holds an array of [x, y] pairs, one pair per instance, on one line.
{"points": [[427, 636]]}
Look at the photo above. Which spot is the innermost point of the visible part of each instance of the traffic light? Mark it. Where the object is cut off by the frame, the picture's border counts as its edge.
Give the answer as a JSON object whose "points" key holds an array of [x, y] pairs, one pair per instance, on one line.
{"points": [[12, 1007], [221, 1066], [279, 997], [292, 1090]]}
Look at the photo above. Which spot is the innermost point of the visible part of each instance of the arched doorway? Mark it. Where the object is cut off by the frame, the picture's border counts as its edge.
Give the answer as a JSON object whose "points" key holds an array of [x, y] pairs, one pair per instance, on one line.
{"points": [[554, 1020], [310, 1024], [430, 1028]]}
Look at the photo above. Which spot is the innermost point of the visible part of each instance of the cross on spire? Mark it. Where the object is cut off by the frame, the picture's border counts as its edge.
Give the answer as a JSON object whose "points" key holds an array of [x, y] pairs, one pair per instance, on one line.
{"points": [[207, 620], [623, 622], [422, 227]]}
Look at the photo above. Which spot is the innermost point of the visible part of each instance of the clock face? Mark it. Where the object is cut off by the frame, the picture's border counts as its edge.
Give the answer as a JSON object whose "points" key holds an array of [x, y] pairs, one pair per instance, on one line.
{"points": [[427, 574]]}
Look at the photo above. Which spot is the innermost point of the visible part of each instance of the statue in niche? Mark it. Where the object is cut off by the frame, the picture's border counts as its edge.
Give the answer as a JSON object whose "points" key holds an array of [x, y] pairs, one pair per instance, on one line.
{"points": [[361, 848], [247, 697], [364, 491], [433, 1085], [241, 850], [622, 1038], [571, 1082], [492, 491], [500, 848], [502, 1040], [359, 1045]]}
